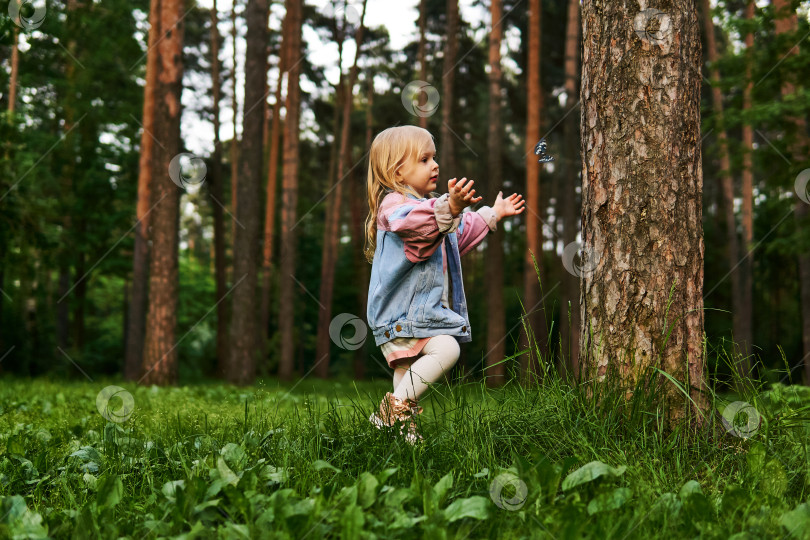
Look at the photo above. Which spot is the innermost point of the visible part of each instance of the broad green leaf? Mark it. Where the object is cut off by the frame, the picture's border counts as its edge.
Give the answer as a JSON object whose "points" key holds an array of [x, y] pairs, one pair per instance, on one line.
{"points": [[610, 500], [589, 472], [442, 487], [774, 479], [234, 456], [756, 457], [692, 486], [225, 473], [367, 489], [797, 521], [352, 522], [110, 491], [169, 488], [473, 507], [321, 464]]}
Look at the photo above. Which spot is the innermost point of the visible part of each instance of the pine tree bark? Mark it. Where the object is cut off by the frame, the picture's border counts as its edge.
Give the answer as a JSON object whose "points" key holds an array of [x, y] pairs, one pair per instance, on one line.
{"points": [[744, 339], [160, 350], [422, 52], [496, 326], [333, 206], [235, 139], [15, 69], [642, 303], [133, 356], [447, 155], [726, 184], [289, 188], [534, 324], [272, 180], [785, 21], [215, 186], [569, 309], [359, 209], [245, 349]]}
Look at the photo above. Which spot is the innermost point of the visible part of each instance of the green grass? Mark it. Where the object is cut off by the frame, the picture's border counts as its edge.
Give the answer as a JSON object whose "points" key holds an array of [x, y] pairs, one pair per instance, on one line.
{"points": [[215, 461]]}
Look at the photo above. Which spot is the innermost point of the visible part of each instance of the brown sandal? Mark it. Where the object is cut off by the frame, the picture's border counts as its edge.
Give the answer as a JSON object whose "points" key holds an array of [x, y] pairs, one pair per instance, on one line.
{"points": [[393, 410]]}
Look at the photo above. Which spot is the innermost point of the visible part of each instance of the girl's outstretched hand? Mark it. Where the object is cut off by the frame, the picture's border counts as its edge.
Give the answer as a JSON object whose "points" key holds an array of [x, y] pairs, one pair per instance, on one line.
{"points": [[510, 206], [461, 196]]}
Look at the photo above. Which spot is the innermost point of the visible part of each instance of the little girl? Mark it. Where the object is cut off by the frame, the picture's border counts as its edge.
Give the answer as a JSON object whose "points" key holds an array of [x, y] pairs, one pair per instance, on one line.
{"points": [[417, 310]]}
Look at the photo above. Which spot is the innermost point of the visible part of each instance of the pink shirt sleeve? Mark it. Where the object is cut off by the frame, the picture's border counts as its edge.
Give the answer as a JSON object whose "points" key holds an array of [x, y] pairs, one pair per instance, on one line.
{"points": [[476, 226], [421, 224]]}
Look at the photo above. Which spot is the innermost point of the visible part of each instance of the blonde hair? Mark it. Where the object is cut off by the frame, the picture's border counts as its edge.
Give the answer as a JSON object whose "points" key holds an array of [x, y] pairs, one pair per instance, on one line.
{"points": [[389, 151]]}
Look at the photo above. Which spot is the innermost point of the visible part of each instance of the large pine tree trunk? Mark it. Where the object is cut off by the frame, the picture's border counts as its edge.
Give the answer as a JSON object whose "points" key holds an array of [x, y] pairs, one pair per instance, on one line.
{"points": [[726, 183], [447, 155], [160, 348], [334, 206], [786, 22], [569, 309], [743, 334], [496, 326], [289, 187], [534, 323], [268, 270], [244, 337], [133, 357], [422, 52], [642, 303], [215, 187]]}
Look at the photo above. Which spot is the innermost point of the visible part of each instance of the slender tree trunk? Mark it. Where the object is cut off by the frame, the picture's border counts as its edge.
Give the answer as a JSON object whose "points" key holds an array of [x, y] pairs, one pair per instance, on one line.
{"points": [[215, 187], [744, 339], [447, 157], [334, 204], [422, 53], [133, 356], [244, 338], [272, 179], [643, 299], [160, 350], [530, 362], [359, 209], [569, 309], [289, 188], [235, 139], [727, 185], [15, 69], [496, 326], [786, 22]]}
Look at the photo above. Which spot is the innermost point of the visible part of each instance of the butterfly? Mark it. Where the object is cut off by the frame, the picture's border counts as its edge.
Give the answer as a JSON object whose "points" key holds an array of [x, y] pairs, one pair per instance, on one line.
{"points": [[540, 150]]}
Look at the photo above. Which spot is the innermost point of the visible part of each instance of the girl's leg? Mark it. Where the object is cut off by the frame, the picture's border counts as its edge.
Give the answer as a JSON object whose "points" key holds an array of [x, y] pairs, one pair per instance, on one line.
{"points": [[399, 372], [438, 356]]}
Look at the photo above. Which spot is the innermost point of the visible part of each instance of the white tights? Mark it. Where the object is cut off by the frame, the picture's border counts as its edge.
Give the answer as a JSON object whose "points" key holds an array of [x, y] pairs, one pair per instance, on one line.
{"points": [[437, 357]]}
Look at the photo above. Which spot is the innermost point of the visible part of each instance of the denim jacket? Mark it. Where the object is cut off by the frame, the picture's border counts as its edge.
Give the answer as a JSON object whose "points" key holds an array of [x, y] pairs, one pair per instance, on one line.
{"points": [[407, 277]]}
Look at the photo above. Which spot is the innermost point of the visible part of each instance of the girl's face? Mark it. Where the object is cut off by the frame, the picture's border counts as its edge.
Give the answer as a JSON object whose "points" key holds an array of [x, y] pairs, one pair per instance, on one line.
{"points": [[421, 171]]}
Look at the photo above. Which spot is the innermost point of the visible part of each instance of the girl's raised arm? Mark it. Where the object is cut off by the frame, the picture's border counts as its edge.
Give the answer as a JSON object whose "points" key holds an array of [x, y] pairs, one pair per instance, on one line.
{"points": [[420, 224], [474, 228]]}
